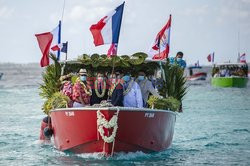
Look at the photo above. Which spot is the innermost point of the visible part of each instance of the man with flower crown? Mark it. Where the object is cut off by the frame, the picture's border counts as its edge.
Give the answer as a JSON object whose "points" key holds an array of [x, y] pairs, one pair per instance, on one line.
{"points": [[100, 90], [81, 90]]}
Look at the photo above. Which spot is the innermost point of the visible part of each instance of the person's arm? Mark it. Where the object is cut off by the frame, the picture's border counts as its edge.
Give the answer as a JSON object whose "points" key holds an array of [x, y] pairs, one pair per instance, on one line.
{"points": [[151, 89]]}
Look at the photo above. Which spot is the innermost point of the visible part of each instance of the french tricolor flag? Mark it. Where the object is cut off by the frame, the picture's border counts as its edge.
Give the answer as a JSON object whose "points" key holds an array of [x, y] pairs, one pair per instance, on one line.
{"points": [[107, 30]]}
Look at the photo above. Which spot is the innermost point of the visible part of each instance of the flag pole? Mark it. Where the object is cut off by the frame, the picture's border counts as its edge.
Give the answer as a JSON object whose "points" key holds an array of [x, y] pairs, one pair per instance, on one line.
{"points": [[163, 72]]}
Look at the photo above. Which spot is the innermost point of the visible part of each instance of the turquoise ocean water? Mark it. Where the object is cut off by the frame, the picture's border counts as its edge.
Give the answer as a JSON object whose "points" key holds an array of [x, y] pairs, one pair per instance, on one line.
{"points": [[213, 130]]}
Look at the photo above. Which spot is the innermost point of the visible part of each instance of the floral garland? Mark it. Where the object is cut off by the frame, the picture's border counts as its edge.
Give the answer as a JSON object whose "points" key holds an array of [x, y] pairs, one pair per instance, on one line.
{"points": [[85, 88], [143, 82], [129, 88], [103, 90], [112, 123], [112, 88]]}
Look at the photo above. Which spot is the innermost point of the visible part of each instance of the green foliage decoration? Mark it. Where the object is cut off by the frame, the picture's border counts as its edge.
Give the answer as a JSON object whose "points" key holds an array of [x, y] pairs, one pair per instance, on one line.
{"points": [[51, 76], [175, 83], [165, 103], [57, 100]]}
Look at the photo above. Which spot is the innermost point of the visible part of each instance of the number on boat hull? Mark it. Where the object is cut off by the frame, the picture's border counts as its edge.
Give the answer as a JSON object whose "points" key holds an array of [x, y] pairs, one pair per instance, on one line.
{"points": [[149, 115], [71, 113]]}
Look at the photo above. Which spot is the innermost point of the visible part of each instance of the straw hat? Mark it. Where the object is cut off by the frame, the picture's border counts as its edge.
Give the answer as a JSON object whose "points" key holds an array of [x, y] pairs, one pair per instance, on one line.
{"points": [[62, 78], [82, 72]]}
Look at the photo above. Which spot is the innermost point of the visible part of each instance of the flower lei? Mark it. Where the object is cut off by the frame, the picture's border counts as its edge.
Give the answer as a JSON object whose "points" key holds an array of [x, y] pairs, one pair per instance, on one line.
{"points": [[112, 123], [85, 88], [112, 88], [143, 83], [103, 90], [129, 88]]}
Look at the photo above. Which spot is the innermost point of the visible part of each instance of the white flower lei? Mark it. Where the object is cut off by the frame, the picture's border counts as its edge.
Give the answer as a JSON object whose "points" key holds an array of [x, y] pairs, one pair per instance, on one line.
{"points": [[129, 88], [102, 122], [103, 89]]}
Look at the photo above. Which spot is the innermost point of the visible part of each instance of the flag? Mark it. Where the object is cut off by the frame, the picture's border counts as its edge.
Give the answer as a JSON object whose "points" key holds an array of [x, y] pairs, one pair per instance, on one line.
{"points": [[65, 47], [107, 30], [56, 40], [44, 41], [62, 47], [243, 58], [112, 50], [48, 42], [210, 57], [161, 44]]}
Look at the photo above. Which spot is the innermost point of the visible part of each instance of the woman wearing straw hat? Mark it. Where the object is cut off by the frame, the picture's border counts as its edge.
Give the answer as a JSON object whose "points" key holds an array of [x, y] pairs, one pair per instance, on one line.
{"points": [[81, 90]]}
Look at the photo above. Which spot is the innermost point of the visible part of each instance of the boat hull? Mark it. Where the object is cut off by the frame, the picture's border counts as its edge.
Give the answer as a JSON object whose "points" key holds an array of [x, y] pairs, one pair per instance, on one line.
{"points": [[75, 130], [239, 82], [197, 76]]}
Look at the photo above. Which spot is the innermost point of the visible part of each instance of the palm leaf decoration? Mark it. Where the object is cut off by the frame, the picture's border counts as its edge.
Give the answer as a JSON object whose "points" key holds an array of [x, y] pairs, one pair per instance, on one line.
{"points": [[175, 83], [57, 100], [51, 76]]}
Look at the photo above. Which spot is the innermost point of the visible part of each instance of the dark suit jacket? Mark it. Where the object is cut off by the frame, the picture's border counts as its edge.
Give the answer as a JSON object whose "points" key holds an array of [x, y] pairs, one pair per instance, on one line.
{"points": [[95, 99], [117, 96]]}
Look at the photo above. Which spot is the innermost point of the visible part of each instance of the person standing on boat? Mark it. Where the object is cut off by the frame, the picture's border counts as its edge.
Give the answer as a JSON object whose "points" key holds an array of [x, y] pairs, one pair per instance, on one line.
{"points": [[67, 87], [115, 90], [100, 90], [132, 93], [81, 90], [178, 59], [146, 87]]}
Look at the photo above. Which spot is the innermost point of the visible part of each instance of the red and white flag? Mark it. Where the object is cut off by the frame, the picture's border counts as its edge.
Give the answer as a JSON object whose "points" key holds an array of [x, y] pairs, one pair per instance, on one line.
{"points": [[161, 44], [243, 58], [44, 41], [210, 57], [48, 42]]}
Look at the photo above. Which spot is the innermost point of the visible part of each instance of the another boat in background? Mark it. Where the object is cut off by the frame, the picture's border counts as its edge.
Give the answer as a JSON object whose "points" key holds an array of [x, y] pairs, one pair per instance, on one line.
{"points": [[195, 73], [230, 75]]}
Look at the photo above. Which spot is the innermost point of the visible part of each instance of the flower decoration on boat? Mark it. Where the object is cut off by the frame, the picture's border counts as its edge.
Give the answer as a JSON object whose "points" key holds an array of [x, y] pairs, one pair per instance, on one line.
{"points": [[103, 122]]}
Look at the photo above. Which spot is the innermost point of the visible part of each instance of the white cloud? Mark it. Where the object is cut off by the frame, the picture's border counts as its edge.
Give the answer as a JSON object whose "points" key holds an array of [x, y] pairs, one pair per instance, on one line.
{"points": [[6, 12]]}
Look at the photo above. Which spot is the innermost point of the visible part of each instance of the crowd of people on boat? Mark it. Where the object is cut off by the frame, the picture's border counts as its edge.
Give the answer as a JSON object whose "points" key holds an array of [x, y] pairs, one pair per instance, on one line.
{"points": [[231, 71], [118, 88]]}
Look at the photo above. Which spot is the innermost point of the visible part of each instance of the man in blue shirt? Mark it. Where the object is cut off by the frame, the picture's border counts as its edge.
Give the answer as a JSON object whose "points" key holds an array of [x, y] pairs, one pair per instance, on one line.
{"points": [[132, 93], [178, 59]]}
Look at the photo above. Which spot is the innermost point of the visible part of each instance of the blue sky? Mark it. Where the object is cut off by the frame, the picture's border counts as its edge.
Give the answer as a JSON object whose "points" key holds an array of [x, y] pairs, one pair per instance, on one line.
{"points": [[199, 27]]}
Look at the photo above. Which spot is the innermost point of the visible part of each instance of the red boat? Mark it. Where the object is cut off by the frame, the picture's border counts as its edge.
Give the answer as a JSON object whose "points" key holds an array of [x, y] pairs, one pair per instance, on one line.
{"points": [[78, 129]]}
